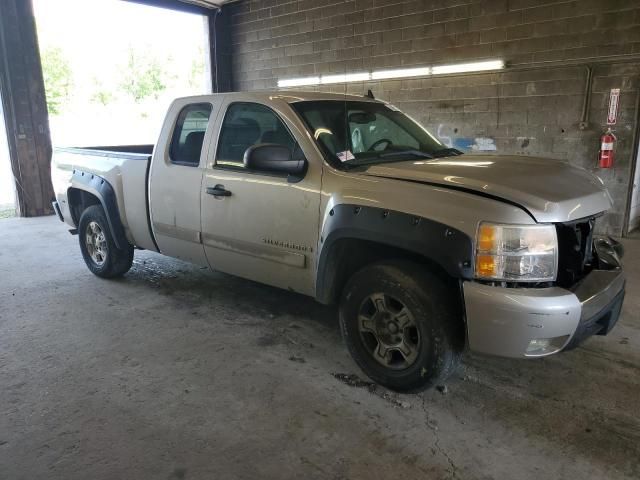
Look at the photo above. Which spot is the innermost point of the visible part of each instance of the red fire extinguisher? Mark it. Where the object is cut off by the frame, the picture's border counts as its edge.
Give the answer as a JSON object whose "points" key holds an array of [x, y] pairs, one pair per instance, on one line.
{"points": [[606, 149]]}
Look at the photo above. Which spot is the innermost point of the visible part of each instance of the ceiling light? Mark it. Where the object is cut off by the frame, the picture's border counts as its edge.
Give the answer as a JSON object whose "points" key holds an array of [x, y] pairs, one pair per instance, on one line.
{"points": [[394, 73], [401, 73], [468, 67]]}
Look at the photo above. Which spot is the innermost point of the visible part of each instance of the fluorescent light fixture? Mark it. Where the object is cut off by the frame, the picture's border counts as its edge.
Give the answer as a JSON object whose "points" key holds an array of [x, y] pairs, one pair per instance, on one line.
{"points": [[390, 74], [345, 78], [299, 82], [468, 67], [401, 73]]}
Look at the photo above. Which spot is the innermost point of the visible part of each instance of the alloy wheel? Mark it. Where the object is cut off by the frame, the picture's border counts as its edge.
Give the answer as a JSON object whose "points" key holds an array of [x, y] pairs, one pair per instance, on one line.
{"points": [[389, 331], [96, 243]]}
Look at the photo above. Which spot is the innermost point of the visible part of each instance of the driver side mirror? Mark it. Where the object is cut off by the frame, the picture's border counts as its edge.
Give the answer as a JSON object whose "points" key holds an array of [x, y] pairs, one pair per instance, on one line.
{"points": [[270, 157]]}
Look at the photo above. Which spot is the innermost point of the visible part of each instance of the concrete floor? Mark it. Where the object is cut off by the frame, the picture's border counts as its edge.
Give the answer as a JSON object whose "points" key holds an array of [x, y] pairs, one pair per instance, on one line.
{"points": [[175, 372]]}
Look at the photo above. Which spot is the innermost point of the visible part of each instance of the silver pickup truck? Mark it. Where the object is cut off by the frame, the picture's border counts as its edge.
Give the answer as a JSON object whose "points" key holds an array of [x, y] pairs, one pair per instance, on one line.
{"points": [[426, 251]]}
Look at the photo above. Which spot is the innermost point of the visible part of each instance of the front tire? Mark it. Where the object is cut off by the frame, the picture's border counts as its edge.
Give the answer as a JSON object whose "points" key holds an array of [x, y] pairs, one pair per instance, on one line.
{"points": [[402, 325], [99, 251]]}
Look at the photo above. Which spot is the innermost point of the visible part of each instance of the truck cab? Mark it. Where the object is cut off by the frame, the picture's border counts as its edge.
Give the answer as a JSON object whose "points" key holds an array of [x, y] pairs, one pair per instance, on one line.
{"points": [[427, 252]]}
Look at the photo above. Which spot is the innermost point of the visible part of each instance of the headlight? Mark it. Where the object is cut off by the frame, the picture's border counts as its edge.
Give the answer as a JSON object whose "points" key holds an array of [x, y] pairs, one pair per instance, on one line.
{"points": [[516, 253]]}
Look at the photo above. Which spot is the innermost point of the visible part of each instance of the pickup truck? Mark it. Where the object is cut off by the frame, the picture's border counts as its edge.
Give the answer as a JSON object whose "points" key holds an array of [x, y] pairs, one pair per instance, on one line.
{"points": [[427, 252]]}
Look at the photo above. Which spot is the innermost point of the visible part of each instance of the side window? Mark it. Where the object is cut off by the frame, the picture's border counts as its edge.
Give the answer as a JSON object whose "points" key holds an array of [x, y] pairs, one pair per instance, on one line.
{"points": [[188, 135], [247, 124]]}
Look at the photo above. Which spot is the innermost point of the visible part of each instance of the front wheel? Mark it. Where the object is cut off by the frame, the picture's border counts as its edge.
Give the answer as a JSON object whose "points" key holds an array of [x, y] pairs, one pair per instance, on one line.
{"points": [[99, 251], [402, 325]]}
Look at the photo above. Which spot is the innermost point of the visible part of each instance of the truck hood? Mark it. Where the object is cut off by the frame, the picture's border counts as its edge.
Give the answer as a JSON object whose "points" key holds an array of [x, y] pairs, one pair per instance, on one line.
{"points": [[550, 190]]}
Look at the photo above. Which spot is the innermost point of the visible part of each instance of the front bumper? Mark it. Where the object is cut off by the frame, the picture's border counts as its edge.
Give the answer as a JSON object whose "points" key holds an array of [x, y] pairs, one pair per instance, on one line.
{"points": [[509, 321]]}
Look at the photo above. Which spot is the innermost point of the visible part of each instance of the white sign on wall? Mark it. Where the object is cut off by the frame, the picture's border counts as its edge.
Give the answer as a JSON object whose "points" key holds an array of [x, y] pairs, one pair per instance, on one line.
{"points": [[614, 101]]}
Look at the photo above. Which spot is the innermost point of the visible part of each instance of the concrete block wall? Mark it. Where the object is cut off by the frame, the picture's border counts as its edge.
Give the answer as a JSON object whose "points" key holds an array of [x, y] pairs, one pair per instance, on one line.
{"points": [[533, 107]]}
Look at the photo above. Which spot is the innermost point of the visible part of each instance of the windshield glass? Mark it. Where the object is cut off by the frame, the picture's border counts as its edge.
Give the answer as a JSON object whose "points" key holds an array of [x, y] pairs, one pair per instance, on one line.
{"points": [[359, 133]]}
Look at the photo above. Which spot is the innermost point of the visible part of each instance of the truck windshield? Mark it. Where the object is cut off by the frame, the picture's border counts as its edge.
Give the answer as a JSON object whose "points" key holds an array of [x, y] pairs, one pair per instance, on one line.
{"points": [[355, 133]]}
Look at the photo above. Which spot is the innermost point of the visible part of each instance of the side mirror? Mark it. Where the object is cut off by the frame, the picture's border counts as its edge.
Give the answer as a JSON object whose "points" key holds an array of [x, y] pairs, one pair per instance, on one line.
{"points": [[269, 157]]}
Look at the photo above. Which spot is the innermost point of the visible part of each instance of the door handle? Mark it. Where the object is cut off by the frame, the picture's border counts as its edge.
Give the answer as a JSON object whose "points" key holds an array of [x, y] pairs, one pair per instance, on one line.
{"points": [[218, 191]]}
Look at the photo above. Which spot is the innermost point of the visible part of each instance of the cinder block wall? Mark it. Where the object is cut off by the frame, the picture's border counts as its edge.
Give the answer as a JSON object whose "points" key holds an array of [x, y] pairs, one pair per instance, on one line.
{"points": [[533, 107]]}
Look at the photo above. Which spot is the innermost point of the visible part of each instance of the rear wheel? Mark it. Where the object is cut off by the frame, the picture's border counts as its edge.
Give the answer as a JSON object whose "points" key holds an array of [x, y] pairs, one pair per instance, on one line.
{"points": [[99, 251], [402, 325]]}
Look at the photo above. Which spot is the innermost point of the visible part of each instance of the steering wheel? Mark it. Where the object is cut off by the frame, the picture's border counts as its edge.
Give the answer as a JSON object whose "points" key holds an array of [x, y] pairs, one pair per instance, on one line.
{"points": [[380, 142]]}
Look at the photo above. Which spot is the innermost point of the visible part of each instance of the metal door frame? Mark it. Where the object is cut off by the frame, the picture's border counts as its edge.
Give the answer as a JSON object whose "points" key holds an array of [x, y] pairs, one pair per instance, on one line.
{"points": [[633, 168]]}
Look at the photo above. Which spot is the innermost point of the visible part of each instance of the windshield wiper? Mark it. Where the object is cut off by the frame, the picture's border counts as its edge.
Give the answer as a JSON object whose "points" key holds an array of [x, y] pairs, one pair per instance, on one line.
{"points": [[447, 152], [414, 152]]}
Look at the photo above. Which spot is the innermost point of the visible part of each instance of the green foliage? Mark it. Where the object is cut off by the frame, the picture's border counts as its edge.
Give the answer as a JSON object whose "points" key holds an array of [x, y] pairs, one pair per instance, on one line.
{"points": [[143, 77], [7, 212], [101, 95], [57, 74]]}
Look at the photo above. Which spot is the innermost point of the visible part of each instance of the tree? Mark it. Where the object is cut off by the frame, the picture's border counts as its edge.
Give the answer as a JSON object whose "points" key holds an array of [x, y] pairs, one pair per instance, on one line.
{"points": [[101, 94], [142, 77], [57, 74]]}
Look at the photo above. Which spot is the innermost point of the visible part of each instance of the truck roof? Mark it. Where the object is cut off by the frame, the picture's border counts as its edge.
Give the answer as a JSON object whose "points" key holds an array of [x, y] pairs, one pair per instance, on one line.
{"points": [[286, 95]]}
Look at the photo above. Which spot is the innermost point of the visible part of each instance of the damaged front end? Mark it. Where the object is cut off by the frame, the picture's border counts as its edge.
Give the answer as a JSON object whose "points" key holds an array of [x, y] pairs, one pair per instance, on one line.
{"points": [[585, 300], [601, 292]]}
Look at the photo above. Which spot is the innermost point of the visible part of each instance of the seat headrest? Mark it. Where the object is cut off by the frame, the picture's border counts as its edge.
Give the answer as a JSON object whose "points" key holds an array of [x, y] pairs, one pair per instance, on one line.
{"points": [[193, 147]]}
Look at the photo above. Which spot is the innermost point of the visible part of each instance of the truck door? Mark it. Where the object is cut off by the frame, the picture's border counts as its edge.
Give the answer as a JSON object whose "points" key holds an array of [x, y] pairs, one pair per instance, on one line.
{"points": [[258, 225], [176, 179]]}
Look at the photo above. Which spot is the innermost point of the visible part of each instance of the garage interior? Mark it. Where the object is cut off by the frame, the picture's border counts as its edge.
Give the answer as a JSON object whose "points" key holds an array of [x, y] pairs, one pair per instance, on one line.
{"points": [[174, 371]]}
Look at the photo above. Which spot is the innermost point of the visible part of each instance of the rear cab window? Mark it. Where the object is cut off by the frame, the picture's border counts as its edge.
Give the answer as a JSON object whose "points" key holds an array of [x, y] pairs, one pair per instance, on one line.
{"points": [[245, 125], [188, 134]]}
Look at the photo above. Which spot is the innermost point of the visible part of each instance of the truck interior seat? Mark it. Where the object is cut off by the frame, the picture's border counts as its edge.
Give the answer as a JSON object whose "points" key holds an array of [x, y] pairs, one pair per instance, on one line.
{"points": [[237, 137], [192, 147], [279, 137]]}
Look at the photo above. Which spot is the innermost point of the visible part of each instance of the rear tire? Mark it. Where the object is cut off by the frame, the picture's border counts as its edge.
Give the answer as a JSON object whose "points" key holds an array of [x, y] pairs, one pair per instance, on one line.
{"points": [[99, 251], [403, 325]]}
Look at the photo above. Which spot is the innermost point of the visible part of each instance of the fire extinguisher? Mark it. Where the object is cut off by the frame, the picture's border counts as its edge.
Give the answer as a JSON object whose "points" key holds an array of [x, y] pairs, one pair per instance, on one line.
{"points": [[607, 141]]}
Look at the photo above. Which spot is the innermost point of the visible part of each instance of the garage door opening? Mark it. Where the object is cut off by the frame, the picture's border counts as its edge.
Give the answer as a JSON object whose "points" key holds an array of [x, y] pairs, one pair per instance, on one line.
{"points": [[7, 184], [112, 68]]}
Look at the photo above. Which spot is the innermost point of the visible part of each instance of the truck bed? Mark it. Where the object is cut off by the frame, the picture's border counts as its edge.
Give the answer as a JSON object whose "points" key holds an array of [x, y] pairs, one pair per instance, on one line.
{"points": [[126, 168]]}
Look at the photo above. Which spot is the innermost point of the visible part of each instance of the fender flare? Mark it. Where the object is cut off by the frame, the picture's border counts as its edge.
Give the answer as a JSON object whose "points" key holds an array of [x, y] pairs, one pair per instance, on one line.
{"points": [[441, 244], [102, 189]]}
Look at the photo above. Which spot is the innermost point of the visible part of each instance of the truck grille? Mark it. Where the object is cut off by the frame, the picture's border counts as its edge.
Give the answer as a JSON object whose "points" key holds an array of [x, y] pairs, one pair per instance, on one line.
{"points": [[575, 251]]}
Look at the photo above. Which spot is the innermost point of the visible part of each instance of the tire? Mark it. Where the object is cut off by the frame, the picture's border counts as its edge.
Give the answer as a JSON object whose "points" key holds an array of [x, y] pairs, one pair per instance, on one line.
{"points": [[98, 249], [428, 322]]}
